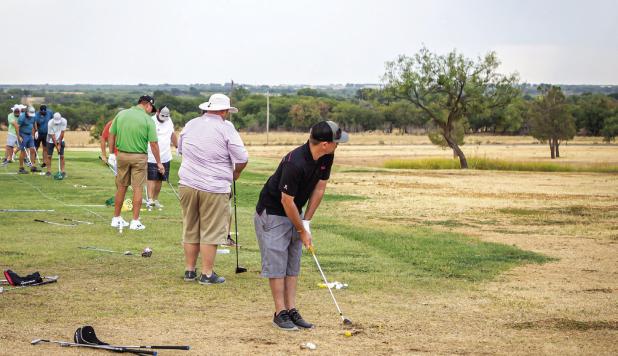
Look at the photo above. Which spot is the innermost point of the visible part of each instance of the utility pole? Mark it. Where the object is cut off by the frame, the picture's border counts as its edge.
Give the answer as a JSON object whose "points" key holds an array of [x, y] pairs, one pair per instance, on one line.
{"points": [[267, 114]]}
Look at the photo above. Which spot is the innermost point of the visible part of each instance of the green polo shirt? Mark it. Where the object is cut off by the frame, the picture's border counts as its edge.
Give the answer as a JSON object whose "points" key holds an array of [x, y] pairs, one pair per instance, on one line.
{"points": [[133, 129], [11, 119]]}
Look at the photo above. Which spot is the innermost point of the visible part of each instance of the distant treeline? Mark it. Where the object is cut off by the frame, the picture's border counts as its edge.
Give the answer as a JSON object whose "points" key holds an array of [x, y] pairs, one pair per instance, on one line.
{"points": [[87, 106]]}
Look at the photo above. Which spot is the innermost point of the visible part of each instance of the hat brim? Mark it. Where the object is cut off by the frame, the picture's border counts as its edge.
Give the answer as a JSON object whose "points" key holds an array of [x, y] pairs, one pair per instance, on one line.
{"points": [[344, 138], [205, 107]]}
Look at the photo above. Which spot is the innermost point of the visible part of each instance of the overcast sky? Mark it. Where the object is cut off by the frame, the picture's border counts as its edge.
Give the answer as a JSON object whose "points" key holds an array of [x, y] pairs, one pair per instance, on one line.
{"points": [[298, 42]]}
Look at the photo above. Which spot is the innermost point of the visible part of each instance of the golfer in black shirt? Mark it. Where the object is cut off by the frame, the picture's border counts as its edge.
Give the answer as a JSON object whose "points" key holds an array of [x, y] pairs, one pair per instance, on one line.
{"points": [[280, 225]]}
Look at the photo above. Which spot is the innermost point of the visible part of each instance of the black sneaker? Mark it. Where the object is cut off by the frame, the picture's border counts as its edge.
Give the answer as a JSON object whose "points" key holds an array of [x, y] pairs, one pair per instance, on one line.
{"points": [[34, 169], [213, 279], [64, 174], [22, 171], [43, 165], [48, 174], [298, 320], [190, 276], [5, 162], [283, 321]]}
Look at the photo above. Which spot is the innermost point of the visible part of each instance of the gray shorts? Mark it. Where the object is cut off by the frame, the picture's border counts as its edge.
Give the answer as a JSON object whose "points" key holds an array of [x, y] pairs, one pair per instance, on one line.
{"points": [[11, 140], [280, 245]]}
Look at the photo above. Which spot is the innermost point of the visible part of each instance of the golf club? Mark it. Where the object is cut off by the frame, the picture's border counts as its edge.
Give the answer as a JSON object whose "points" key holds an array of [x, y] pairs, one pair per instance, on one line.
{"points": [[239, 269], [54, 223], [108, 165], [101, 347], [24, 210], [146, 252], [58, 176], [345, 320], [86, 335], [79, 221], [167, 179], [29, 161], [48, 280]]}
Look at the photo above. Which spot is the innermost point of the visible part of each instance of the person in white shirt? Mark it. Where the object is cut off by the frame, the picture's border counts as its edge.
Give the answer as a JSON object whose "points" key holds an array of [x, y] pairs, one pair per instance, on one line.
{"points": [[55, 140], [167, 137]]}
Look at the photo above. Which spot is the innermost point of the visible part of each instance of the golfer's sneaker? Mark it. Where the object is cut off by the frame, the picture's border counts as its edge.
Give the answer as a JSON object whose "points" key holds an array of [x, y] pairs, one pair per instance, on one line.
{"points": [[284, 322], [48, 174], [22, 171], [34, 169], [117, 220], [136, 225], [298, 320], [190, 276], [5, 162], [213, 279]]}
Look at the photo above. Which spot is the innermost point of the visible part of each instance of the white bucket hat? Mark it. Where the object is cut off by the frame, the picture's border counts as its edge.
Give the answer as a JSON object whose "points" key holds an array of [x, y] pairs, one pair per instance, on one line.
{"points": [[57, 118], [218, 102]]}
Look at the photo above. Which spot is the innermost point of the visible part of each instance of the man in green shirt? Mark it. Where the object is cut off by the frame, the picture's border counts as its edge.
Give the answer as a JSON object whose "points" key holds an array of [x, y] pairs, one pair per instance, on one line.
{"points": [[12, 138], [131, 133]]}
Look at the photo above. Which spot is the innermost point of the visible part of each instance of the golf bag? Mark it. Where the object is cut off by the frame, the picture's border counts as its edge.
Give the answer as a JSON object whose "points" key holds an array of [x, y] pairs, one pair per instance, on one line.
{"points": [[14, 279]]}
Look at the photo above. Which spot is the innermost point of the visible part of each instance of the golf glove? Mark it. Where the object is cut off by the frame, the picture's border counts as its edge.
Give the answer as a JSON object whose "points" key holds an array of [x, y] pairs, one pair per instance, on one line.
{"points": [[112, 160], [307, 225]]}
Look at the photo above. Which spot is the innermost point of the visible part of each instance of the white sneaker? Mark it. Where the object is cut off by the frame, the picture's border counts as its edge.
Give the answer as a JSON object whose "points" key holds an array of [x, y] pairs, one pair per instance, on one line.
{"points": [[149, 204], [157, 204], [136, 225], [117, 220]]}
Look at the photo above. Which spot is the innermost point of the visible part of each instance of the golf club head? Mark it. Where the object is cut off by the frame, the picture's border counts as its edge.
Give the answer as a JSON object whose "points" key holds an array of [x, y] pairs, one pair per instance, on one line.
{"points": [[35, 341], [147, 252], [347, 321], [240, 269], [128, 253]]}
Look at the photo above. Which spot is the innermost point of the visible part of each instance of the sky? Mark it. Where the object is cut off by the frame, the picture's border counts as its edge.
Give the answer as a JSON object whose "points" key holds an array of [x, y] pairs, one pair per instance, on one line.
{"points": [[298, 42]]}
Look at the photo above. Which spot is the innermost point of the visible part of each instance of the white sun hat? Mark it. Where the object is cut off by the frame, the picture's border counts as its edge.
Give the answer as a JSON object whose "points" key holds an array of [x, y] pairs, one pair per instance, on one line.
{"points": [[57, 118], [218, 102]]}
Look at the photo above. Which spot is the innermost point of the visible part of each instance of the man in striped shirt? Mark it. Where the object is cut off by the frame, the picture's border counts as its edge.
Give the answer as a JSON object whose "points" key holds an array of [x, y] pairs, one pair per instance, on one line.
{"points": [[213, 155]]}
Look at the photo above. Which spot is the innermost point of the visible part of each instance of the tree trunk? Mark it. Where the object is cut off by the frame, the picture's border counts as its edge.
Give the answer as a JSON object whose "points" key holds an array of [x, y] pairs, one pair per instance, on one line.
{"points": [[457, 152], [557, 145], [551, 148]]}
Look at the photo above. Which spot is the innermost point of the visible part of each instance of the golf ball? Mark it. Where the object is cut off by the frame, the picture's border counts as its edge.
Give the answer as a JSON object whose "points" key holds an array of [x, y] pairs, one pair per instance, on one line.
{"points": [[347, 333]]}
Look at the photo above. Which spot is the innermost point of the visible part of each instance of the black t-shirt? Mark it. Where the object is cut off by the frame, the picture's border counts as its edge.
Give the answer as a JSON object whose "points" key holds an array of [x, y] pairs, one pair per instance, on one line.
{"points": [[297, 175]]}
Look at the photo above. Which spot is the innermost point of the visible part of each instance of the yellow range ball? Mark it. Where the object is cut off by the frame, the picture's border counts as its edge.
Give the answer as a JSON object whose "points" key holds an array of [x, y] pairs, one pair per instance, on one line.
{"points": [[347, 333]]}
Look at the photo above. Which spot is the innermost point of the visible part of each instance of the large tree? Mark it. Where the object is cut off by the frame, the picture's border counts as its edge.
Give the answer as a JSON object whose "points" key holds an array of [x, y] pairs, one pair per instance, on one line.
{"points": [[449, 89], [551, 120]]}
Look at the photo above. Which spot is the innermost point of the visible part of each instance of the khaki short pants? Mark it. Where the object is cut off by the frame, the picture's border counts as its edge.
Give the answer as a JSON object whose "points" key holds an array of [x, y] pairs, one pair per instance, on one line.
{"points": [[131, 169], [205, 216]]}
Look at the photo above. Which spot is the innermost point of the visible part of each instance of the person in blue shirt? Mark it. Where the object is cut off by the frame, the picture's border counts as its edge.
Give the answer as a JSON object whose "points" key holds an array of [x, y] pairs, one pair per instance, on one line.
{"points": [[27, 128], [42, 117]]}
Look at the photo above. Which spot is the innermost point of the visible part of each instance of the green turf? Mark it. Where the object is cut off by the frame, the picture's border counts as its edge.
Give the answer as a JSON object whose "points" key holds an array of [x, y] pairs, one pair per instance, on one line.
{"points": [[396, 258]]}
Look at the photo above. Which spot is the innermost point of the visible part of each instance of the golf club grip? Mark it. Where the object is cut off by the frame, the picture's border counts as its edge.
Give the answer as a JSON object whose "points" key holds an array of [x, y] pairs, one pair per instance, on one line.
{"points": [[38, 220]]}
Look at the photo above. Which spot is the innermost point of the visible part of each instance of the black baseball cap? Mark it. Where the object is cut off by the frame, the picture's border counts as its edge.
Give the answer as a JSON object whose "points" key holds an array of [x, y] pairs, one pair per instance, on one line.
{"points": [[328, 131], [149, 99]]}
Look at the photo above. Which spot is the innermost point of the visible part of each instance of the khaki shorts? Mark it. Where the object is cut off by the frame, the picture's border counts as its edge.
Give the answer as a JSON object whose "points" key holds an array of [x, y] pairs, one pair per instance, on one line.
{"points": [[131, 169], [205, 216]]}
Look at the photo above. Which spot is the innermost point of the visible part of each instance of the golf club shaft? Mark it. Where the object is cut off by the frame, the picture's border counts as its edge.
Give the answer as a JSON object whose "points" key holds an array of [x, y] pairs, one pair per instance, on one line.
{"points": [[327, 285], [102, 347], [160, 347], [235, 222]]}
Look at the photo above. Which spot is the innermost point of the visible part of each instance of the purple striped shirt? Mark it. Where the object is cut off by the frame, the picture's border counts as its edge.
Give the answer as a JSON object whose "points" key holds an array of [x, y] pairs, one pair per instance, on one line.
{"points": [[209, 146]]}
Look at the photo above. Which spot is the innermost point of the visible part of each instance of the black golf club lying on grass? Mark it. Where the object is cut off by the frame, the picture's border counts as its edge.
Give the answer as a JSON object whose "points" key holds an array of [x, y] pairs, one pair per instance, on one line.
{"points": [[54, 223], [46, 280], [86, 336], [345, 320], [146, 252], [100, 347]]}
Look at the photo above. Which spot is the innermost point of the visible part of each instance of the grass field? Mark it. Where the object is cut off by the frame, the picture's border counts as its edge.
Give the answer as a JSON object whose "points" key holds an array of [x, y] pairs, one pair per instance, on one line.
{"points": [[439, 262]]}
